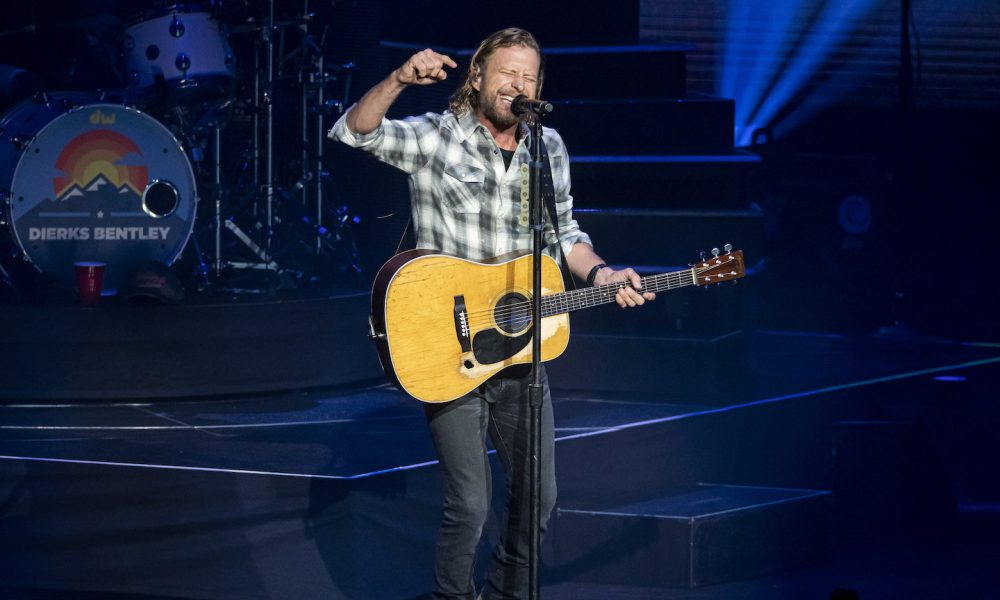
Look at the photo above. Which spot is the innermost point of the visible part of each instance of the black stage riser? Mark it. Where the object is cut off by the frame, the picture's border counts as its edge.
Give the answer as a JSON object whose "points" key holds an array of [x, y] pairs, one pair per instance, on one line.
{"points": [[782, 444], [554, 23], [666, 237], [190, 534], [120, 351], [730, 181], [711, 534], [616, 533], [640, 72], [691, 125]]}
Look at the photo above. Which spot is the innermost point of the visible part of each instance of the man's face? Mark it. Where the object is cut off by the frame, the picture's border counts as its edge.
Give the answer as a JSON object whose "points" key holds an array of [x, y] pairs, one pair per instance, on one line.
{"points": [[508, 72]]}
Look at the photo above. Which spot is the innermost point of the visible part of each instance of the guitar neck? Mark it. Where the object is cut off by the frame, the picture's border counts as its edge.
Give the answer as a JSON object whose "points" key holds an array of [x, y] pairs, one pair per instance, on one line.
{"points": [[572, 300]]}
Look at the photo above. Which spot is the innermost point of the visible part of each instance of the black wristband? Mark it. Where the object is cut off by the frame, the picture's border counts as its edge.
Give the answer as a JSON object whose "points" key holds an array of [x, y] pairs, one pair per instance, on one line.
{"points": [[593, 273]]}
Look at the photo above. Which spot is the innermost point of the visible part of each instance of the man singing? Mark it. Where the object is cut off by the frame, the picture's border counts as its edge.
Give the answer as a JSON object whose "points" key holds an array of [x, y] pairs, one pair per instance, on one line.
{"points": [[464, 168]]}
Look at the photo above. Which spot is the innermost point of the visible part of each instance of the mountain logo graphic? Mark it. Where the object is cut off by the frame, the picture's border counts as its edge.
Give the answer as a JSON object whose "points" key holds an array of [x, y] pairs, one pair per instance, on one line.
{"points": [[98, 158]]}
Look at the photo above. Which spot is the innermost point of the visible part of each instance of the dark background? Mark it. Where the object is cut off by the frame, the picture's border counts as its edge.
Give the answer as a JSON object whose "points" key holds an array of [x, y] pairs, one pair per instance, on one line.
{"points": [[929, 171]]}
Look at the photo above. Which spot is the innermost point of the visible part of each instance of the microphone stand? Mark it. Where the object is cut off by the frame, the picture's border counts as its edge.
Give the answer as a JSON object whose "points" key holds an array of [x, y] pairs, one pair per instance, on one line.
{"points": [[535, 392]]}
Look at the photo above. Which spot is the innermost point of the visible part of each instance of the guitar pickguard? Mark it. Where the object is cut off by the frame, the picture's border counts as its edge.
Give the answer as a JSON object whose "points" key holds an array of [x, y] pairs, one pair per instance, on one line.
{"points": [[490, 346]]}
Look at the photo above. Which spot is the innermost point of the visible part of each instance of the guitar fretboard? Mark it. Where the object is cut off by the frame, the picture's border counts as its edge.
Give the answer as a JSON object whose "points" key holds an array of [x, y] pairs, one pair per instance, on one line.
{"points": [[564, 302]]}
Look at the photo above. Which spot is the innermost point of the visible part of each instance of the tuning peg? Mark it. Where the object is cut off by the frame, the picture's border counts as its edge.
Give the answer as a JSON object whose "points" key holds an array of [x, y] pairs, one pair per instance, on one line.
{"points": [[715, 252], [702, 256], [728, 248]]}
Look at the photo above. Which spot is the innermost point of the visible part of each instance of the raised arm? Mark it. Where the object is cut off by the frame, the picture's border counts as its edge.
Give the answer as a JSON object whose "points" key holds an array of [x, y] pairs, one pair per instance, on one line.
{"points": [[423, 68]]}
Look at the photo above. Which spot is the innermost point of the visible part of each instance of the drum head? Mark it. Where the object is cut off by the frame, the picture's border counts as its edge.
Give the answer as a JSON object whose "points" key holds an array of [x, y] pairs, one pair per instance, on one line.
{"points": [[100, 182], [178, 56]]}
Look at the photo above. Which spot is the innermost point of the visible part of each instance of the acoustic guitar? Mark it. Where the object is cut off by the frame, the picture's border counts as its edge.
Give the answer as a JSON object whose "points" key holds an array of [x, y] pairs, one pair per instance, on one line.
{"points": [[444, 325]]}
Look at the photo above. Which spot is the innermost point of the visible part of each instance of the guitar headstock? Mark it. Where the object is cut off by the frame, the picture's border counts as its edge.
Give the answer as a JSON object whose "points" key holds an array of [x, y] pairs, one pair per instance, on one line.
{"points": [[720, 267]]}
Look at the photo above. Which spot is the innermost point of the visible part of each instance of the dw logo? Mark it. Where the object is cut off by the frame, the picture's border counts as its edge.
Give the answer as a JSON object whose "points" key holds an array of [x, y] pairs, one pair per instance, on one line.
{"points": [[99, 118]]}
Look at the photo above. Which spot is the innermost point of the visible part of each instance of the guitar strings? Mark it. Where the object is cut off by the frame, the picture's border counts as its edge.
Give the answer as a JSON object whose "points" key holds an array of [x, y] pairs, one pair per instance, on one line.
{"points": [[564, 300], [522, 310]]}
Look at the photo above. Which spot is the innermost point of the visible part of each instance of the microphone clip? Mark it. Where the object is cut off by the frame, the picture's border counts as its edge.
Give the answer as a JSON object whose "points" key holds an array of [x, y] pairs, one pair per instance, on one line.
{"points": [[522, 106]]}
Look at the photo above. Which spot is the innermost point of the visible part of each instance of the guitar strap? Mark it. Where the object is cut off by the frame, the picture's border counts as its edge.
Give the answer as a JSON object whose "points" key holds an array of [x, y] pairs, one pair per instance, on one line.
{"points": [[549, 196], [406, 240]]}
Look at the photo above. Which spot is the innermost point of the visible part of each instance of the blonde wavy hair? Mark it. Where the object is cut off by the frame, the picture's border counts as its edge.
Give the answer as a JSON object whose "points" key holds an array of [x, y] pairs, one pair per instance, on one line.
{"points": [[466, 97]]}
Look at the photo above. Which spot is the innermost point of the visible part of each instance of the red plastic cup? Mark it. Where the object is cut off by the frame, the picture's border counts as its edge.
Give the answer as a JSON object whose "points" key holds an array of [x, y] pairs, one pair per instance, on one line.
{"points": [[89, 279]]}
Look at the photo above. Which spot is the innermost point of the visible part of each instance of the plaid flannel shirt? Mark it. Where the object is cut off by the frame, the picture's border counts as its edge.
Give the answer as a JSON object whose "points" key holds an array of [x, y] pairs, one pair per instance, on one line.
{"points": [[463, 199]]}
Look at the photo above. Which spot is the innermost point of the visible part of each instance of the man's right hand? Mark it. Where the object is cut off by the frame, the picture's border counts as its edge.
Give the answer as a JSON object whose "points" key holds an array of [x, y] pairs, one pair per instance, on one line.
{"points": [[424, 68]]}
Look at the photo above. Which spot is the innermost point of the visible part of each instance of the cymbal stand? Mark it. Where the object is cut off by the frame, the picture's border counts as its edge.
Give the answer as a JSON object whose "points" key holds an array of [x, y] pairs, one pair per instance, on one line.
{"points": [[313, 77], [269, 127], [217, 194], [312, 167], [262, 103], [261, 253], [319, 78]]}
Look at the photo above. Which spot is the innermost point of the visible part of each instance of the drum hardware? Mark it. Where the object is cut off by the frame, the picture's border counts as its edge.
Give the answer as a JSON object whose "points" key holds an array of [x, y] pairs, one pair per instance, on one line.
{"points": [[265, 262], [268, 100], [261, 104], [5, 278], [313, 84], [308, 212], [313, 77], [20, 142]]}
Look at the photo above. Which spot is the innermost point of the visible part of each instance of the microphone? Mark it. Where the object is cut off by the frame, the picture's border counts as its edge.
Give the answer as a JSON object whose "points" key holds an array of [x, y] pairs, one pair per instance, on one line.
{"points": [[522, 105]]}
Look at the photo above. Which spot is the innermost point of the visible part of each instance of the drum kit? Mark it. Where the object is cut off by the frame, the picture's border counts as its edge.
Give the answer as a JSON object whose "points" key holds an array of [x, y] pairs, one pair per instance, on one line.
{"points": [[182, 155]]}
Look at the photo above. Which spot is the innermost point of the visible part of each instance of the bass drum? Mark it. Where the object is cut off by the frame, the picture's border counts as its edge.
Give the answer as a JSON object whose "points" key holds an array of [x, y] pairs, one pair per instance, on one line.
{"points": [[85, 181]]}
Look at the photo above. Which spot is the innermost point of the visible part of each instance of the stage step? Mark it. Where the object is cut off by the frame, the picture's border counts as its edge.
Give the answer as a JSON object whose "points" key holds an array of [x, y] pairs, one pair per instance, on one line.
{"points": [[205, 346], [690, 327], [554, 22], [693, 124], [683, 343], [725, 180], [671, 237], [709, 534], [639, 71]]}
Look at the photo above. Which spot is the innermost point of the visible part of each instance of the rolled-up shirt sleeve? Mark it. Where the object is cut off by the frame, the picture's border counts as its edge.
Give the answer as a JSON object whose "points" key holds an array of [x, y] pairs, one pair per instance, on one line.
{"points": [[406, 144]]}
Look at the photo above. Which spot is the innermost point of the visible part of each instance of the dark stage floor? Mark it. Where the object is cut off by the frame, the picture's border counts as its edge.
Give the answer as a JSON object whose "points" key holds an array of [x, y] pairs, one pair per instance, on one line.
{"points": [[353, 433]]}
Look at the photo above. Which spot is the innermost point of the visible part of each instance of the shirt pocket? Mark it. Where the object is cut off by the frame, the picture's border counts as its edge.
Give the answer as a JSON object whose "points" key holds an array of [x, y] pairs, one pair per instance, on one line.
{"points": [[464, 185]]}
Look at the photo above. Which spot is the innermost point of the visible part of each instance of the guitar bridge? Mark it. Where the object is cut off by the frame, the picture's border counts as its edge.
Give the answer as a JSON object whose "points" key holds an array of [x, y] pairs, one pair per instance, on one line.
{"points": [[462, 323]]}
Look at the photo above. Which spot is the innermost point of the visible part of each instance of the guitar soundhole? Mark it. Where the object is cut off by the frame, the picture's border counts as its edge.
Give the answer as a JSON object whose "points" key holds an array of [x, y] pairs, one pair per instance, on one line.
{"points": [[512, 313]]}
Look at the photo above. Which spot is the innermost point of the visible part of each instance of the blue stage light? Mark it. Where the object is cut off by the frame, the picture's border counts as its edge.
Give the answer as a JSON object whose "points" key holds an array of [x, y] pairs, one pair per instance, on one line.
{"points": [[766, 70], [952, 378]]}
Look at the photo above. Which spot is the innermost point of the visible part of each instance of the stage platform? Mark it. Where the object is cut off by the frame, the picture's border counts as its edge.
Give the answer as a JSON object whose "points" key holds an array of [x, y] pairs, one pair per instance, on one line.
{"points": [[333, 492], [209, 345]]}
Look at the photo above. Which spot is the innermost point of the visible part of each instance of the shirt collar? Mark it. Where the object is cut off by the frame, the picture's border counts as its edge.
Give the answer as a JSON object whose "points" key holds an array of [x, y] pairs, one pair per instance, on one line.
{"points": [[468, 123]]}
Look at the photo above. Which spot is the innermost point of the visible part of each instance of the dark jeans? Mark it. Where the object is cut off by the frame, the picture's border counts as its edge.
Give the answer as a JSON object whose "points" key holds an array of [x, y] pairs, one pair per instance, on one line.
{"points": [[498, 407]]}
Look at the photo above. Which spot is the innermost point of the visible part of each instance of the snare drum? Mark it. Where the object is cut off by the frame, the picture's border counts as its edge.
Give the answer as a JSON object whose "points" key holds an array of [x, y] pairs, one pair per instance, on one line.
{"points": [[86, 181], [182, 45]]}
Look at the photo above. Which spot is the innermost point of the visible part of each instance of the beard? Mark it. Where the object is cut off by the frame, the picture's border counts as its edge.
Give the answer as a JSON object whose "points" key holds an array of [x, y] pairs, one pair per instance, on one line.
{"points": [[497, 111]]}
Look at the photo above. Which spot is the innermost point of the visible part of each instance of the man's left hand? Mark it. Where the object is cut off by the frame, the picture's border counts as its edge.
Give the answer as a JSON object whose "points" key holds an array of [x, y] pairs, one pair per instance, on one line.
{"points": [[627, 296]]}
